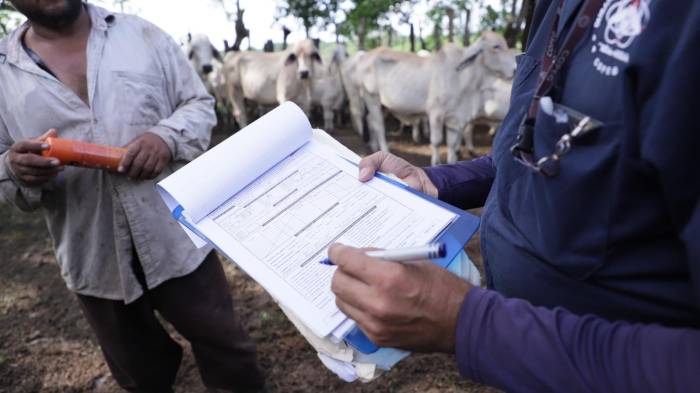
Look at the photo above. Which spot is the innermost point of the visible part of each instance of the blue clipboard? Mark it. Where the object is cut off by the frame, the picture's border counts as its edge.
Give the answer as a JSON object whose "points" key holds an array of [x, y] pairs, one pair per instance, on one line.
{"points": [[455, 236]]}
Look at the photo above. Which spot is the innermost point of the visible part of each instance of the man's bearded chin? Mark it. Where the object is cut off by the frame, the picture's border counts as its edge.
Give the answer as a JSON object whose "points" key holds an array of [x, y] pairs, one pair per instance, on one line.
{"points": [[54, 19]]}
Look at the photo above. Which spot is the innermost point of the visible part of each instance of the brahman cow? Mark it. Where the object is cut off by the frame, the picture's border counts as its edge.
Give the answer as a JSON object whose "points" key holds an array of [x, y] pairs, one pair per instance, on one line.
{"points": [[270, 78], [352, 82], [495, 101], [444, 87], [327, 87], [202, 54]]}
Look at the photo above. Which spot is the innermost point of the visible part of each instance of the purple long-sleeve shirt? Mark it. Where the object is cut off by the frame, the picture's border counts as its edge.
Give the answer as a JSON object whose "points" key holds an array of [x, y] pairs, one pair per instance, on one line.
{"points": [[594, 273]]}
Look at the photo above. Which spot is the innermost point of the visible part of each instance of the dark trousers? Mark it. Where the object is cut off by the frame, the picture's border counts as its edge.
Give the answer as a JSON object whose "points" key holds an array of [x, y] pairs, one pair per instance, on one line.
{"points": [[143, 357]]}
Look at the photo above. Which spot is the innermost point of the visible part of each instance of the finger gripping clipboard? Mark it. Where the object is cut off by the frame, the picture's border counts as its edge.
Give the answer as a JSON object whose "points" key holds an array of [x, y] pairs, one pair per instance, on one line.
{"points": [[455, 236]]}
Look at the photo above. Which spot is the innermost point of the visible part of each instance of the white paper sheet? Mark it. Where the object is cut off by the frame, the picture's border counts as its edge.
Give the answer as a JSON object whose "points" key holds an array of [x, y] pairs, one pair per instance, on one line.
{"points": [[279, 228], [273, 198], [208, 181]]}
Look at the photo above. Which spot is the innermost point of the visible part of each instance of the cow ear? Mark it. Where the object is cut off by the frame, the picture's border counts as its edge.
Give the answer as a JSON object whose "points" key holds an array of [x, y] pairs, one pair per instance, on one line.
{"points": [[215, 53], [317, 57], [290, 59], [468, 61]]}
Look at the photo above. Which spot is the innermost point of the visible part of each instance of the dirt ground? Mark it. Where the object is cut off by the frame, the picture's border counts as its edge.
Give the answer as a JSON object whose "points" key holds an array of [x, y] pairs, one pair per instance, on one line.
{"points": [[47, 346]]}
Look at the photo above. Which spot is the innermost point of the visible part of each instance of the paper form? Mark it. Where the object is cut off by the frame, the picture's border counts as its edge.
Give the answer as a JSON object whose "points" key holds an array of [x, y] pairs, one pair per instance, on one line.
{"points": [[235, 162], [287, 218], [275, 195]]}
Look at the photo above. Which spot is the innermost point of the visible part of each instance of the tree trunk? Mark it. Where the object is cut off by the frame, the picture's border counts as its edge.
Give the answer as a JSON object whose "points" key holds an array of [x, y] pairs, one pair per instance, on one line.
{"points": [[241, 31], [466, 38], [423, 45], [450, 24], [513, 26], [437, 36], [286, 32], [412, 38], [527, 10], [389, 37], [361, 33]]}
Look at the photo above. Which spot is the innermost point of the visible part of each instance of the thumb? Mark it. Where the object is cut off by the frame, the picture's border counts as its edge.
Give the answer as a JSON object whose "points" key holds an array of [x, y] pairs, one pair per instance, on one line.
{"points": [[370, 164], [51, 133]]}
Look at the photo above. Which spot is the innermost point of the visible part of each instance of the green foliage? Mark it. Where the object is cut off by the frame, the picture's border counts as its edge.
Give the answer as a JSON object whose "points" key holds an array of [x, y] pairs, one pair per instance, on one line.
{"points": [[371, 12], [9, 20], [498, 20], [311, 12]]}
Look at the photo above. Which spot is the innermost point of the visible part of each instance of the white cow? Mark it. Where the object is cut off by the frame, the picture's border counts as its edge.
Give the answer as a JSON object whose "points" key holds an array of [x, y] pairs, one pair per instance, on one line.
{"points": [[327, 87], [352, 82], [270, 78], [495, 101], [202, 54], [444, 87]]}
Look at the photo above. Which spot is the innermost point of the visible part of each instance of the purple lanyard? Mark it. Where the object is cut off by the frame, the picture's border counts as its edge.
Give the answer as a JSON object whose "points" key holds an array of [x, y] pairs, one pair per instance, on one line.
{"points": [[554, 59]]}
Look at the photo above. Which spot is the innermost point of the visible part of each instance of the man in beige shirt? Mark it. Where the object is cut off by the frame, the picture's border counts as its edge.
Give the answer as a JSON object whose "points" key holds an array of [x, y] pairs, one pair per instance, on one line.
{"points": [[79, 72]]}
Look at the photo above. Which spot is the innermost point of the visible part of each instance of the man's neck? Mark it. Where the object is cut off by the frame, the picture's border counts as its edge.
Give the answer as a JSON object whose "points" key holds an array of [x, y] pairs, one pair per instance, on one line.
{"points": [[79, 28]]}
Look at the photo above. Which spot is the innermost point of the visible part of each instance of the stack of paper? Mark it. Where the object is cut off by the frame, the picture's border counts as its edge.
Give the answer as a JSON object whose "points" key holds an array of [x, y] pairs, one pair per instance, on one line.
{"points": [[275, 195]]}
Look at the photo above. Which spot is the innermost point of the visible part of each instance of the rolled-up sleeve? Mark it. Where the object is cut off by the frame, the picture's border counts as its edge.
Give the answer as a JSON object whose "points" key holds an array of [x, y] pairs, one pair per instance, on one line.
{"points": [[12, 190], [465, 184], [187, 131]]}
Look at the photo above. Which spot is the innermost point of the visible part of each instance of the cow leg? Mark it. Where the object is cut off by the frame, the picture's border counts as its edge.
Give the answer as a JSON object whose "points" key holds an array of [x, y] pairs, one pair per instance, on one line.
{"points": [[454, 141], [328, 115], [377, 131], [239, 111], [356, 115], [436, 126], [469, 138], [238, 104], [415, 131]]}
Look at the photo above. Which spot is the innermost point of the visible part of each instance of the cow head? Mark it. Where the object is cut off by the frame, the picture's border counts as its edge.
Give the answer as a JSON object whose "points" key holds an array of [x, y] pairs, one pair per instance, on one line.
{"points": [[491, 51], [304, 57], [201, 53]]}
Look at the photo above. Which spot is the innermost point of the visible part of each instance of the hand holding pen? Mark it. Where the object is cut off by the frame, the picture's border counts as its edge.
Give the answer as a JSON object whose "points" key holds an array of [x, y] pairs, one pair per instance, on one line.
{"points": [[401, 305], [430, 251]]}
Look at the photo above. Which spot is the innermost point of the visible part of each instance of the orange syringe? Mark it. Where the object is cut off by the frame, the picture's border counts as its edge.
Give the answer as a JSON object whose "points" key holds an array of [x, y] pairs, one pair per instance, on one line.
{"points": [[89, 155]]}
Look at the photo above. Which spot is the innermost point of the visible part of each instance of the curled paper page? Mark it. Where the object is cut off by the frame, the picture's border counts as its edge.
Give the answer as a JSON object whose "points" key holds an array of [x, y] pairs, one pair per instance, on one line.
{"points": [[217, 174]]}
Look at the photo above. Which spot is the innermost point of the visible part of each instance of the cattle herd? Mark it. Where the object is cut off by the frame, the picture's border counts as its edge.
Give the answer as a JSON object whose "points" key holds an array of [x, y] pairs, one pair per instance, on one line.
{"points": [[443, 93]]}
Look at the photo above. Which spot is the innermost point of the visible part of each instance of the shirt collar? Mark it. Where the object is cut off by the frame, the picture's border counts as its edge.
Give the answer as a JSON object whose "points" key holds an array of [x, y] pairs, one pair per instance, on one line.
{"points": [[100, 18]]}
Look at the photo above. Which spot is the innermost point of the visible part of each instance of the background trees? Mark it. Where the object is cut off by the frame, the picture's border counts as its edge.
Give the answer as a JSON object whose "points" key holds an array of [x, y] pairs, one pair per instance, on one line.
{"points": [[409, 25], [9, 19]]}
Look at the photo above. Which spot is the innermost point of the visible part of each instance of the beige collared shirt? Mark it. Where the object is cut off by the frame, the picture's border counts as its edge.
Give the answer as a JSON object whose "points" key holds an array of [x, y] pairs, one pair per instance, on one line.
{"points": [[138, 80]]}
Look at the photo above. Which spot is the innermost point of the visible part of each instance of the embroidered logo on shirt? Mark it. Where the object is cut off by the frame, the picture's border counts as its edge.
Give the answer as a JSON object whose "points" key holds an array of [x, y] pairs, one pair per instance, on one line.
{"points": [[624, 21]]}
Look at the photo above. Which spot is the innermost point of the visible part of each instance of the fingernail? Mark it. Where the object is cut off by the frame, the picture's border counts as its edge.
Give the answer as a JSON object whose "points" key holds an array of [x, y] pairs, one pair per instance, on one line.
{"points": [[44, 146], [55, 162], [365, 173], [120, 169]]}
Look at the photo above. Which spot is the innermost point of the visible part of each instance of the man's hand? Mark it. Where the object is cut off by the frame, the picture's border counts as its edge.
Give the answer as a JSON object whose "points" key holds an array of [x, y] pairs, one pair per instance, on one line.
{"points": [[146, 157], [27, 163], [403, 305], [414, 176]]}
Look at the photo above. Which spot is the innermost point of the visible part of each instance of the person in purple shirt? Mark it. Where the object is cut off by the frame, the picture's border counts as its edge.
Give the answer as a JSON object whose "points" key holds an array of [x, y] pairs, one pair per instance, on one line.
{"points": [[591, 222]]}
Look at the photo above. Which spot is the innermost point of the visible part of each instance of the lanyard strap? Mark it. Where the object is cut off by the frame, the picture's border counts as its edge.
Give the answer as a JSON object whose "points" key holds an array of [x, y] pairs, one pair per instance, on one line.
{"points": [[552, 62]]}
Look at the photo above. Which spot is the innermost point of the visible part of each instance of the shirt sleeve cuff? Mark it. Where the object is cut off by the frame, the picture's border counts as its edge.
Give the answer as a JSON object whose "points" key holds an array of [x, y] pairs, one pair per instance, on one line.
{"points": [[25, 196], [471, 318], [436, 177], [167, 134]]}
